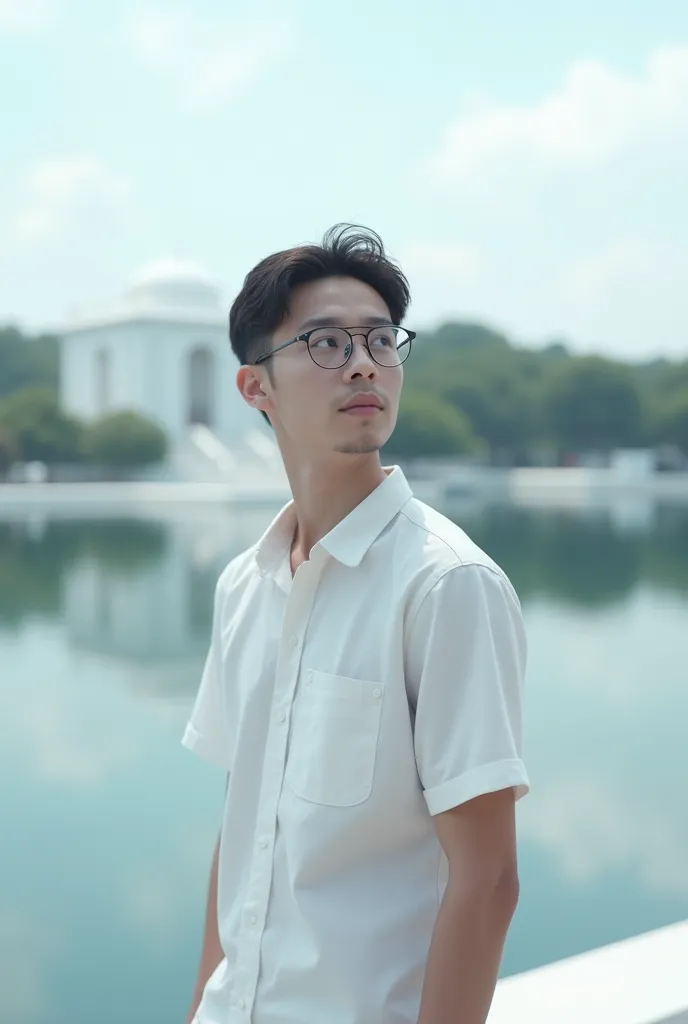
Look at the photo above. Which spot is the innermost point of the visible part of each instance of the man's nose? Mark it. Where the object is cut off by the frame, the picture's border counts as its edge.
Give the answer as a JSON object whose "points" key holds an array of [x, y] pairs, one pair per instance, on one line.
{"points": [[361, 362]]}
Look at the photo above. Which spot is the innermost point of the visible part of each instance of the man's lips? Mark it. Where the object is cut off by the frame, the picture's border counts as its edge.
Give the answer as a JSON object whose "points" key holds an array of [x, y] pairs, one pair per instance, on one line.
{"points": [[368, 403], [362, 410]]}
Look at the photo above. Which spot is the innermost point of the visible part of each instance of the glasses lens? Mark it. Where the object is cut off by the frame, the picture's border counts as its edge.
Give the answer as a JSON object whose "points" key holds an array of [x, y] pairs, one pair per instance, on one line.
{"points": [[389, 345], [329, 347]]}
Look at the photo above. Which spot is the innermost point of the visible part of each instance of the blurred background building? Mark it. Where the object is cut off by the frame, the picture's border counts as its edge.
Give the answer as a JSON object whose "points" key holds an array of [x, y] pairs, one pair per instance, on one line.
{"points": [[162, 350]]}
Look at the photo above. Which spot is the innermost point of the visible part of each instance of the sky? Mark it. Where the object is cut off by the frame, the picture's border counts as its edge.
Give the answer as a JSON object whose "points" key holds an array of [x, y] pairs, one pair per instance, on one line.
{"points": [[527, 163]]}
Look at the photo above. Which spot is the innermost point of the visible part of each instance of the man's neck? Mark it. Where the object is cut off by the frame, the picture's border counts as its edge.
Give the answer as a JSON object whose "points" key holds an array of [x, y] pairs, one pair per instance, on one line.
{"points": [[325, 494]]}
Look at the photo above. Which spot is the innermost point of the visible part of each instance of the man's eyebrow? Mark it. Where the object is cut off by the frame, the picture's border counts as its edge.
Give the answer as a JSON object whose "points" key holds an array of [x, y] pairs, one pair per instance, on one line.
{"points": [[334, 321]]}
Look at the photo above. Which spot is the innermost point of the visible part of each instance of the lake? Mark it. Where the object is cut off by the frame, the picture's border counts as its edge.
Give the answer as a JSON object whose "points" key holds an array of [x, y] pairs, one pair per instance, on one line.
{"points": [[108, 823]]}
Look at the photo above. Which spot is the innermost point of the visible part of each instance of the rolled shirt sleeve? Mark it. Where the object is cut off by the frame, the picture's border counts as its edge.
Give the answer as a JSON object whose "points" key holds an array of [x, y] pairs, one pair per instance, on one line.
{"points": [[207, 732], [466, 661]]}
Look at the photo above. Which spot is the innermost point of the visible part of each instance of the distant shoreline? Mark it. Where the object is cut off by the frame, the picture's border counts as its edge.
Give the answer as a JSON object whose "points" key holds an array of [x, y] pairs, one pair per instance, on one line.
{"points": [[565, 487]]}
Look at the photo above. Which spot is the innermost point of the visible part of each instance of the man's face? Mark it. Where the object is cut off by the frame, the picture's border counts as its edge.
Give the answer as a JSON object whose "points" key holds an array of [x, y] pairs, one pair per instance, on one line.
{"points": [[310, 406]]}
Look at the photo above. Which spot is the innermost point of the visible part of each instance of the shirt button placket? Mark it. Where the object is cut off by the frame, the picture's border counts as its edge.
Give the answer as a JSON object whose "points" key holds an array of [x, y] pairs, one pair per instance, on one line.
{"points": [[273, 772], [261, 871]]}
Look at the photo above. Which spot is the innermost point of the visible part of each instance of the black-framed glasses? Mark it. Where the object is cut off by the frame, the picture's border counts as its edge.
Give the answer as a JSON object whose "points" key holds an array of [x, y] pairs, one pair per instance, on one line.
{"points": [[331, 347]]}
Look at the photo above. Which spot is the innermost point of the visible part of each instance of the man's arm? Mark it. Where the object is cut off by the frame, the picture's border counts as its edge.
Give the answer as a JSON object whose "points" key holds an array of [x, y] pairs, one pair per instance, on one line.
{"points": [[212, 953], [479, 840]]}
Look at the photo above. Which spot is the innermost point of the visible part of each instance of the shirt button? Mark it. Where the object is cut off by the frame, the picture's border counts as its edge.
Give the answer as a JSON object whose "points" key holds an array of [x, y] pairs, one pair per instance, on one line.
{"points": [[242, 1004], [281, 716], [253, 919], [309, 677], [377, 692], [294, 640], [263, 843]]}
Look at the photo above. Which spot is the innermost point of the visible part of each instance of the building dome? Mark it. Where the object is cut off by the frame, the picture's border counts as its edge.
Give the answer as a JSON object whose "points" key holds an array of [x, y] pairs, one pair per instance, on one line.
{"points": [[172, 284]]}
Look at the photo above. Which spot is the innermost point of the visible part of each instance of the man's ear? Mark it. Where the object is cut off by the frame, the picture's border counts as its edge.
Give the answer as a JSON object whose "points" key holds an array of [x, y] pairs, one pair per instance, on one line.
{"points": [[254, 388]]}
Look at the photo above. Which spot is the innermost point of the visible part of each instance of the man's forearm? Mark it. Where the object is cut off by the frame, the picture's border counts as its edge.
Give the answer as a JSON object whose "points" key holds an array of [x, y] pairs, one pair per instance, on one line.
{"points": [[212, 953], [465, 954]]}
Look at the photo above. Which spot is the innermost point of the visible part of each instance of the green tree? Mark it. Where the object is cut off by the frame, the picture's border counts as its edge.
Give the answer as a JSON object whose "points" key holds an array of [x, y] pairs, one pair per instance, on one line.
{"points": [[499, 406], [427, 426], [469, 338], [671, 425], [9, 449], [27, 362], [38, 429], [593, 403], [496, 386], [124, 439]]}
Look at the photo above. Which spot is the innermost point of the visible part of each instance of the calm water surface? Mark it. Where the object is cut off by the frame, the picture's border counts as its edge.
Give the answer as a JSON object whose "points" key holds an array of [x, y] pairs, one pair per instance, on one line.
{"points": [[108, 823]]}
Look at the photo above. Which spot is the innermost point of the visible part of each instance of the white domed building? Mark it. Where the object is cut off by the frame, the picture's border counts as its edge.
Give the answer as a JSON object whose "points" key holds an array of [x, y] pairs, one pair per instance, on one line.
{"points": [[163, 351]]}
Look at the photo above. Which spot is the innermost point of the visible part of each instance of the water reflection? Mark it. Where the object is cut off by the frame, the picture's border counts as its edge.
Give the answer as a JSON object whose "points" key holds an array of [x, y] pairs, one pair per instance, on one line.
{"points": [[35, 560], [584, 557], [128, 581]]}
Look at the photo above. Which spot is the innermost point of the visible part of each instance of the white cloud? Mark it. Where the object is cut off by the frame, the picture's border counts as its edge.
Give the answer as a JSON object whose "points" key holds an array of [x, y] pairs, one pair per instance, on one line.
{"points": [[64, 752], [594, 828], [208, 63], [636, 283], [450, 258], [61, 189], [441, 273], [623, 262], [23, 15], [28, 949], [596, 115], [577, 203], [626, 265], [604, 782]]}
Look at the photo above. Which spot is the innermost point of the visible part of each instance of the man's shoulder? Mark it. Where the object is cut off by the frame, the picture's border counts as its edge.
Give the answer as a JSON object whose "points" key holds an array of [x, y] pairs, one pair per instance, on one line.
{"points": [[433, 548], [239, 571], [437, 543]]}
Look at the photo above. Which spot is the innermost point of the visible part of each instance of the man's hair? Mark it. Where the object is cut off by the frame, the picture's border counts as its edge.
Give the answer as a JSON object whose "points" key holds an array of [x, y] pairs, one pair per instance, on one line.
{"points": [[347, 250]]}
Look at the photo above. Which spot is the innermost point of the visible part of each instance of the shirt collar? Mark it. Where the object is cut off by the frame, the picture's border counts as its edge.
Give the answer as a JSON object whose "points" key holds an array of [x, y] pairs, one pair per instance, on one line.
{"points": [[351, 538], [275, 545]]}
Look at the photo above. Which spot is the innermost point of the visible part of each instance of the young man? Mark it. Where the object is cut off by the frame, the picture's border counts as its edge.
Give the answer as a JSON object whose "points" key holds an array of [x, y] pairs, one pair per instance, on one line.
{"points": [[363, 691]]}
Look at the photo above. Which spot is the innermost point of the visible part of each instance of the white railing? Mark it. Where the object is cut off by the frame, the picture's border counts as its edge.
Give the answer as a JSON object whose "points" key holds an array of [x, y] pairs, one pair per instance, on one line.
{"points": [[642, 980]]}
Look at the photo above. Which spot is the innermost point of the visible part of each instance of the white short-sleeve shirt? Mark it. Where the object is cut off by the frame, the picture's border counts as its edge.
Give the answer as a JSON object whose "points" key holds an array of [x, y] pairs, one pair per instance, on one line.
{"points": [[381, 685]]}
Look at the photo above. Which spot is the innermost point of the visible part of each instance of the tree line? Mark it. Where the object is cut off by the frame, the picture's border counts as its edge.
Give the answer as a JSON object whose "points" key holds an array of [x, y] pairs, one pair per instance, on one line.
{"points": [[468, 391]]}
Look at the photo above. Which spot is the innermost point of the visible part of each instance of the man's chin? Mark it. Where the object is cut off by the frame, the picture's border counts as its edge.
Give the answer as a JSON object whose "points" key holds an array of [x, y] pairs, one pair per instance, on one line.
{"points": [[360, 448]]}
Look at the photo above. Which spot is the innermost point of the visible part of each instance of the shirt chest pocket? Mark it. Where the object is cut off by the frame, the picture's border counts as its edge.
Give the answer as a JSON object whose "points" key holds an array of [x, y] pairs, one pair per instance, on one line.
{"points": [[334, 739]]}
